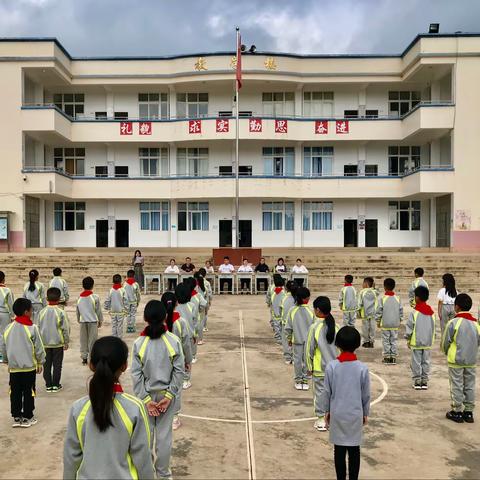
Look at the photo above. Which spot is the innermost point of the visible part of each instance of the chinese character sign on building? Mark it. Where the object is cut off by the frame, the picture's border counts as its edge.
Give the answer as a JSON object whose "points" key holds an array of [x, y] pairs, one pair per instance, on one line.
{"points": [[126, 128], [194, 126], [321, 127], [145, 128], [222, 125], [342, 126], [281, 126], [255, 125]]}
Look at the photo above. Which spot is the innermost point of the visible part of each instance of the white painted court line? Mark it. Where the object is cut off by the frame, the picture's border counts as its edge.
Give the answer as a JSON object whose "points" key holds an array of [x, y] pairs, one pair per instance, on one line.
{"points": [[248, 409]]}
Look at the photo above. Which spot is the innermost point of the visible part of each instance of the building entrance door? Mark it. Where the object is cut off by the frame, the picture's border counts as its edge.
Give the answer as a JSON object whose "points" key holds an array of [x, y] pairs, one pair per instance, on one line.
{"points": [[225, 233], [121, 233], [371, 233], [350, 233], [443, 221], [102, 233], [32, 222], [245, 227]]}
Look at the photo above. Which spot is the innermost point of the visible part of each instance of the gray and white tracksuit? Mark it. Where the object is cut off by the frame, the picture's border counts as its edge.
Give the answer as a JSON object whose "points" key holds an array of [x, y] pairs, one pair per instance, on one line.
{"points": [[37, 297], [418, 282], [121, 451], [208, 298], [389, 315], [202, 311], [347, 301], [288, 302], [318, 353], [90, 317], [61, 284], [186, 311], [367, 306], [299, 320], [460, 343], [157, 372], [116, 304], [6, 308], [276, 312], [132, 292], [181, 329], [346, 396], [420, 333]]}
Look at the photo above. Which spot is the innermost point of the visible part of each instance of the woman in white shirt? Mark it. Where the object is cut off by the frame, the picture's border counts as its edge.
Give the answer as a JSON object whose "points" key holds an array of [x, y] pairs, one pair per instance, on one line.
{"points": [[280, 267], [446, 300], [209, 267], [172, 269], [226, 268], [299, 267], [245, 282]]}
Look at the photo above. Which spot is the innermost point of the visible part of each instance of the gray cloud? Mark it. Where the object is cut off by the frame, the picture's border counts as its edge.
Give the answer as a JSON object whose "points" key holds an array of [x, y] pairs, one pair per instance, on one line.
{"points": [[162, 27]]}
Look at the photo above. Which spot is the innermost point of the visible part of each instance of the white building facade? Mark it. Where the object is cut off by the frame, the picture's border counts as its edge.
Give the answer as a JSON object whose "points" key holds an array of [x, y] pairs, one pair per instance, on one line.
{"points": [[334, 150]]}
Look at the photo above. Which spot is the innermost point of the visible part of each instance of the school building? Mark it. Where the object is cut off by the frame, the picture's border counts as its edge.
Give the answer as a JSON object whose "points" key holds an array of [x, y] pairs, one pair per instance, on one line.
{"points": [[335, 150]]}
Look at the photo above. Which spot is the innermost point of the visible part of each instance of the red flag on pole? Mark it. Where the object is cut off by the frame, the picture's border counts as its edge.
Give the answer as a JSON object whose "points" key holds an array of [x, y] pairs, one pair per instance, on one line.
{"points": [[239, 62]]}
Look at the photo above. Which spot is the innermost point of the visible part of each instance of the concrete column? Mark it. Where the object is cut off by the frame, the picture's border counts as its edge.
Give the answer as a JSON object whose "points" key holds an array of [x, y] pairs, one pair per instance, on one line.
{"points": [[42, 223], [433, 222], [362, 100], [299, 100], [298, 231], [172, 100], [110, 104], [110, 160], [173, 224], [172, 159], [111, 223], [362, 214], [362, 158], [298, 158]]}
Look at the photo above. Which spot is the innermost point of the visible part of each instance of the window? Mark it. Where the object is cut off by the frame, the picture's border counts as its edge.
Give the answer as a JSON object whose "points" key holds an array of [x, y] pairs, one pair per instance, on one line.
{"points": [[154, 216], [153, 162], [193, 216], [192, 162], [350, 170], [404, 215], [371, 113], [371, 170], [225, 113], [350, 113], [121, 172], [400, 103], [279, 161], [72, 104], [278, 104], [70, 160], [317, 161], [101, 171], [100, 115], [278, 216], [245, 170], [317, 215], [152, 106], [225, 171], [192, 105], [403, 159], [120, 115], [69, 216], [318, 104]]}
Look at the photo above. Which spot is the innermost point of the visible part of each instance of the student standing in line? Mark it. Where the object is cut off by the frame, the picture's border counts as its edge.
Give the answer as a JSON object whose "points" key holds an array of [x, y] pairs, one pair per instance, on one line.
{"points": [[108, 431], [185, 310], [347, 301], [288, 303], [446, 300], [280, 267], [116, 304], [367, 306], [202, 307], [58, 282], [346, 401], [35, 292], [262, 267], [418, 282], [6, 306], [172, 269], [271, 288], [275, 310], [132, 293], [245, 283], [208, 296], [299, 321], [227, 269], [319, 351], [158, 366]]}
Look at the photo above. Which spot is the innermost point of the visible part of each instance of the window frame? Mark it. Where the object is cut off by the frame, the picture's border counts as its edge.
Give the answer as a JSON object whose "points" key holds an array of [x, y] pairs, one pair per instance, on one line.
{"points": [[75, 155], [158, 155], [191, 215], [155, 216], [404, 153], [161, 104], [278, 161], [278, 105], [411, 102], [322, 106], [401, 210], [195, 161], [317, 213], [185, 106], [319, 160], [278, 216], [77, 103], [64, 213]]}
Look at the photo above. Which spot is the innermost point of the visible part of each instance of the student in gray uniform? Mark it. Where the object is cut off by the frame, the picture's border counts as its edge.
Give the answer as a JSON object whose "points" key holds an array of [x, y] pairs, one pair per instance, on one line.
{"points": [[420, 335], [299, 321], [35, 292], [185, 310], [90, 317], [275, 308], [271, 287], [460, 343], [58, 282], [319, 351], [108, 432], [203, 305], [22, 349], [55, 332], [6, 305], [418, 282], [158, 365], [347, 301], [208, 296], [346, 401], [132, 292], [367, 306], [288, 302], [446, 300], [389, 315], [116, 304]]}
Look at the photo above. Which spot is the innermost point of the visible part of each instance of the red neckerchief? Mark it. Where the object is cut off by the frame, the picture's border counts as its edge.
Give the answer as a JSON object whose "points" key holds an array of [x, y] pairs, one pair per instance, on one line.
{"points": [[346, 357], [143, 333], [117, 286], [278, 290], [305, 301], [424, 308], [24, 320], [347, 285], [176, 316], [52, 304], [86, 293], [466, 315], [194, 292], [130, 281], [117, 388], [2, 285], [389, 293]]}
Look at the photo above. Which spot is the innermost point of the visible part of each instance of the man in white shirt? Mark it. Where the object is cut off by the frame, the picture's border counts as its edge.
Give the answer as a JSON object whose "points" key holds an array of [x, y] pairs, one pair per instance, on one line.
{"points": [[245, 282], [299, 267], [226, 268]]}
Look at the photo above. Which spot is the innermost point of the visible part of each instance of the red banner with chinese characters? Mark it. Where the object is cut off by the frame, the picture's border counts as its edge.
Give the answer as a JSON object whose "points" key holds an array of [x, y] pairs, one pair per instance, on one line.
{"points": [[194, 126], [222, 125], [321, 127], [255, 125], [281, 126], [342, 126], [145, 128], [126, 128]]}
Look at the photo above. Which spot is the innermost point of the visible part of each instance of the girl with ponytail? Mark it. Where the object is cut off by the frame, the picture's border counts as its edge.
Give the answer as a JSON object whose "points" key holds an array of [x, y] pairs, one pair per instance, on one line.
{"points": [[158, 367], [288, 302], [98, 443], [35, 292], [446, 300], [320, 350]]}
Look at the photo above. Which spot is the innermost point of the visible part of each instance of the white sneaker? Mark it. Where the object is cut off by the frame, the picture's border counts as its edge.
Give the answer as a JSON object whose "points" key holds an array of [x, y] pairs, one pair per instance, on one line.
{"points": [[176, 424], [298, 386], [320, 425], [305, 386], [25, 423], [288, 362], [194, 360], [205, 329], [33, 421], [200, 342], [17, 422], [187, 384]]}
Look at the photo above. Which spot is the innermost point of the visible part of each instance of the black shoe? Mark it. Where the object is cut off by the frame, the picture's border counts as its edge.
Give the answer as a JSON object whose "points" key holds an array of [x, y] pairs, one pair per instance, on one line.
{"points": [[365, 345], [455, 416], [386, 360], [84, 361], [371, 345], [468, 417], [393, 361]]}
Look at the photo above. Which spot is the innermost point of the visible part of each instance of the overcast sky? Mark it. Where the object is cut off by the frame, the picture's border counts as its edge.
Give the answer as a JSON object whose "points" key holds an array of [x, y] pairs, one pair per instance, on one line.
{"points": [[163, 27]]}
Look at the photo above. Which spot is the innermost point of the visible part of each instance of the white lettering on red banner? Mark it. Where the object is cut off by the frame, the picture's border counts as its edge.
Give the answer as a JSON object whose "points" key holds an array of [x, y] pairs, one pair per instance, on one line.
{"points": [[281, 126], [194, 126], [255, 125], [321, 127], [126, 128], [145, 128], [222, 125], [342, 126]]}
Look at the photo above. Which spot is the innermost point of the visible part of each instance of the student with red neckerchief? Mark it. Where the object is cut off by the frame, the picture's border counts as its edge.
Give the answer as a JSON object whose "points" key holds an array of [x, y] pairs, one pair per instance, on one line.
{"points": [[347, 301], [276, 298], [346, 403], [460, 343], [116, 304], [132, 292]]}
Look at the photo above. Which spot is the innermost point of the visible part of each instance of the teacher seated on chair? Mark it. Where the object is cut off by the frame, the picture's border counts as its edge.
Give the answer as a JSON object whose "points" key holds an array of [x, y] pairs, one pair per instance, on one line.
{"points": [[226, 268], [245, 282], [172, 269], [262, 267]]}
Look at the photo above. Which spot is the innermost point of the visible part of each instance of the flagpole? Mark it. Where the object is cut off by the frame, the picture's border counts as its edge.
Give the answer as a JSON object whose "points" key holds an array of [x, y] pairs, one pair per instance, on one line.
{"points": [[237, 195]]}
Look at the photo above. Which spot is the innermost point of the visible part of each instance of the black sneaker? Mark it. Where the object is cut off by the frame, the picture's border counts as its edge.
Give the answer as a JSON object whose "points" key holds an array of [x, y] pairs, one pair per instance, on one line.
{"points": [[386, 360], [456, 417], [366, 345], [468, 417], [424, 386], [417, 386], [84, 361], [393, 361]]}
